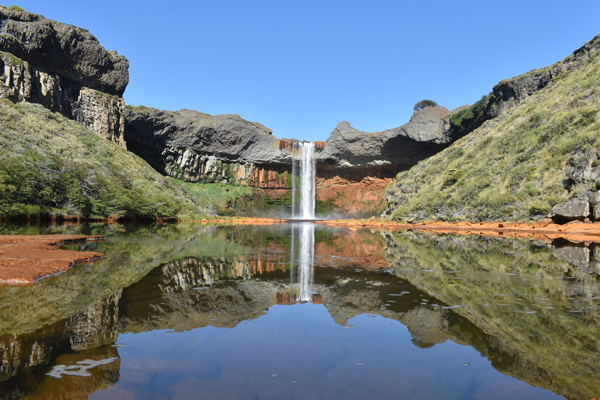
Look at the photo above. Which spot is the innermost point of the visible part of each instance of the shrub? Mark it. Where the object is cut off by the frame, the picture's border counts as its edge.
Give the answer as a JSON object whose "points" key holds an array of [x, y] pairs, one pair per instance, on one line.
{"points": [[539, 209], [424, 103], [15, 8], [472, 112]]}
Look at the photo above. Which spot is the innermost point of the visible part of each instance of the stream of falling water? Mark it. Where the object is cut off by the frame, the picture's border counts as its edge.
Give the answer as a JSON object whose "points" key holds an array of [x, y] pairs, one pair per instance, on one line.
{"points": [[302, 273], [304, 165]]}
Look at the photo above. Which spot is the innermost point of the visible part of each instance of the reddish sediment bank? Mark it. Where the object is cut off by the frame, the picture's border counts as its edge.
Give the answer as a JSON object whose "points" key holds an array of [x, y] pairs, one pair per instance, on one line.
{"points": [[24, 259], [238, 221], [546, 230], [575, 231]]}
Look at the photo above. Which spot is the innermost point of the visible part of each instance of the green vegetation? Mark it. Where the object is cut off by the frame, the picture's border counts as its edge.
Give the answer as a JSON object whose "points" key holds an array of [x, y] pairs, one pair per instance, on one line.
{"points": [[472, 112], [220, 197], [552, 344], [15, 8], [512, 167], [52, 167], [424, 103]]}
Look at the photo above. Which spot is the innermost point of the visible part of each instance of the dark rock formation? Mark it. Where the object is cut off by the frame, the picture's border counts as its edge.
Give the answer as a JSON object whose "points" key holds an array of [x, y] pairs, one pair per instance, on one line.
{"points": [[65, 69], [404, 146], [200, 147]]}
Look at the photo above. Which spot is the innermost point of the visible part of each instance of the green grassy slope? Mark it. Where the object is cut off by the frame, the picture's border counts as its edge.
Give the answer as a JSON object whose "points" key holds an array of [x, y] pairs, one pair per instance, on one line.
{"points": [[52, 166], [514, 166]]}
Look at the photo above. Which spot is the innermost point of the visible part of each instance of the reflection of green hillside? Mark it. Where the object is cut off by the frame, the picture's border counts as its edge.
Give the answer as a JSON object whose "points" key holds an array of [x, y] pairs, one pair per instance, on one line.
{"points": [[131, 252], [484, 274]]}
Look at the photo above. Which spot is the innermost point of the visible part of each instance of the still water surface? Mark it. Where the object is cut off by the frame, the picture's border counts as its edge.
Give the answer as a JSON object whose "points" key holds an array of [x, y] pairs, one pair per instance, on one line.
{"points": [[304, 312]]}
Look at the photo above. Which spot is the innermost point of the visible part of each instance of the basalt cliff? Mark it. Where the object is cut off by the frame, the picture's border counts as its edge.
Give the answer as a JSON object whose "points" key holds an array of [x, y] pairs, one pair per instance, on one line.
{"points": [[63, 68]]}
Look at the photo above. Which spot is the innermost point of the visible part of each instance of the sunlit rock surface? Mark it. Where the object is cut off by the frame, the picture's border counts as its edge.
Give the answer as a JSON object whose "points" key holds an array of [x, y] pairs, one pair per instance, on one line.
{"points": [[64, 68]]}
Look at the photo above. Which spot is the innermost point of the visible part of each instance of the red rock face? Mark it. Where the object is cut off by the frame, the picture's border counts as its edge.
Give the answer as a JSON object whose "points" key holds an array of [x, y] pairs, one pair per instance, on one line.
{"points": [[286, 144], [269, 177], [319, 145]]}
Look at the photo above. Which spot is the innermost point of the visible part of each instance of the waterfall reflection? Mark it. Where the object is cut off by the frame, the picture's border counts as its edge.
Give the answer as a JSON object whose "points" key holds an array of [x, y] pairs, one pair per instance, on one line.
{"points": [[302, 261]]}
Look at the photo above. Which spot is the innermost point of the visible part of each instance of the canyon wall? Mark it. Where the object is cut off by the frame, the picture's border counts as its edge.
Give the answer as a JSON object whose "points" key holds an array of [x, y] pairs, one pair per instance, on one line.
{"points": [[65, 69]]}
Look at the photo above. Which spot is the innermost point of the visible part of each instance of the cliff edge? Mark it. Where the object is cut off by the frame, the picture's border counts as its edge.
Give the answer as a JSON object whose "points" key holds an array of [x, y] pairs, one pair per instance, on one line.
{"points": [[63, 68]]}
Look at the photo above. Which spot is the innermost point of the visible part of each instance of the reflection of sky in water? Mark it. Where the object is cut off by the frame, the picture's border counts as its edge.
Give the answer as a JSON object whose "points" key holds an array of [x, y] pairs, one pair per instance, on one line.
{"points": [[301, 343]]}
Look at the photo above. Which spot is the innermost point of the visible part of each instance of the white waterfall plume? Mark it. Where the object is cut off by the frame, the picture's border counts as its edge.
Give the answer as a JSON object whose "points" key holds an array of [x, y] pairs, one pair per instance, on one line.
{"points": [[302, 271], [303, 188]]}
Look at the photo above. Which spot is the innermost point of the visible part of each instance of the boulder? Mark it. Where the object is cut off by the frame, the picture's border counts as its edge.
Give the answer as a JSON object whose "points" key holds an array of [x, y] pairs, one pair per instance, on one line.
{"points": [[577, 256], [573, 209], [595, 205]]}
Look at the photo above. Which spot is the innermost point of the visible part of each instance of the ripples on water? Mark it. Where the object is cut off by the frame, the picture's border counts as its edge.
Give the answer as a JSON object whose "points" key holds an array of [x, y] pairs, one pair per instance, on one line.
{"points": [[305, 312]]}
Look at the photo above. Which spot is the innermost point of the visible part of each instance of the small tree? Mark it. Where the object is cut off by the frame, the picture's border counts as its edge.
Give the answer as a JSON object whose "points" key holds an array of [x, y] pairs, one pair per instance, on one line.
{"points": [[424, 103]]}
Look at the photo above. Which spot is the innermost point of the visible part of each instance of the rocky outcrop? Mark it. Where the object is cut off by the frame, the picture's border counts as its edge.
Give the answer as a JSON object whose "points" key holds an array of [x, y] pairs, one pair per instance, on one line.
{"points": [[65, 69], [200, 147], [510, 92], [400, 147]]}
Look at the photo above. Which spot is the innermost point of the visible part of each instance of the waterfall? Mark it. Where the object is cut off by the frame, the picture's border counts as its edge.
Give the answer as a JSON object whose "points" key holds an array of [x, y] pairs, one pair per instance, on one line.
{"points": [[303, 159], [302, 273]]}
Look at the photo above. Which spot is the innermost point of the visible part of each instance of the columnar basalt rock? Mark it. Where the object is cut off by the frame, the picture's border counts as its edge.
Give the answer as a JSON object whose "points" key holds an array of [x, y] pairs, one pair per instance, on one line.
{"points": [[200, 147], [65, 69]]}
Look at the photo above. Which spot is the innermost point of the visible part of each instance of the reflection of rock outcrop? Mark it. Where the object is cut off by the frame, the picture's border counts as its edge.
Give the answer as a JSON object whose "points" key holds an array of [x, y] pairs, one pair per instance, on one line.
{"points": [[25, 358], [96, 324], [195, 293], [25, 309], [513, 291]]}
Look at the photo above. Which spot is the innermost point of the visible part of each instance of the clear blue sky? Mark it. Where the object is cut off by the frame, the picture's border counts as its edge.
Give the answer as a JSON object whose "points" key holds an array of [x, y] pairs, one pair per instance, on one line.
{"points": [[300, 67]]}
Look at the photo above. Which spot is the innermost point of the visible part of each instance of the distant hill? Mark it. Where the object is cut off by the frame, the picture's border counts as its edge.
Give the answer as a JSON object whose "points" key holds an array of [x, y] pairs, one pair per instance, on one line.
{"points": [[534, 145]]}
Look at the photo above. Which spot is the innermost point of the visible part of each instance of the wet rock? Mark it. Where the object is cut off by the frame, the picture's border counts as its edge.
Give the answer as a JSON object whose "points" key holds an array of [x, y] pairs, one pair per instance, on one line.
{"points": [[573, 210], [578, 256]]}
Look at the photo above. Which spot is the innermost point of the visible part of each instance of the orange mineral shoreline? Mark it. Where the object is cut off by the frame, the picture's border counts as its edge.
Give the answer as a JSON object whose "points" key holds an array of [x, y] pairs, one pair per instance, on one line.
{"points": [[24, 259], [546, 230]]}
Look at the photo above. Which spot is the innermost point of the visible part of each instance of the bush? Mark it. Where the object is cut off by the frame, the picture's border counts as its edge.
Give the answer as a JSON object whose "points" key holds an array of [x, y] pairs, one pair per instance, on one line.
{"points": [[539, 209], [15, 8], [472, 112], [424, 103]]}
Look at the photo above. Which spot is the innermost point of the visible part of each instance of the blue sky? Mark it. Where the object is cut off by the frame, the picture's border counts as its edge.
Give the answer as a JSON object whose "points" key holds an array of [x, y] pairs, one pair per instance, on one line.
{"points": [[300, 67]]}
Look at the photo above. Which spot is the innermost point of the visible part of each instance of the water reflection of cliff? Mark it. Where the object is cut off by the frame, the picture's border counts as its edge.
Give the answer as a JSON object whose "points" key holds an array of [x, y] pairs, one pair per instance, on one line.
{"points": [[87, 335], [192, 277], [535, 302]]}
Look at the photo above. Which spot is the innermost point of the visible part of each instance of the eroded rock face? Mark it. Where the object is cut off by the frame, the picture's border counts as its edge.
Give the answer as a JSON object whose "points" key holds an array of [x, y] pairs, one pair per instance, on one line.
{"points": [[201, 147], [404, 146], [68, 51], [65, 69]]}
